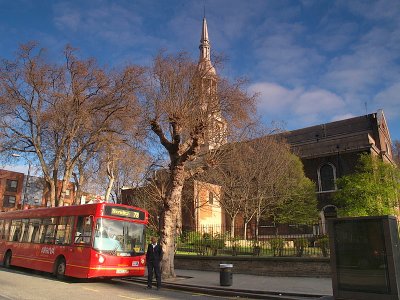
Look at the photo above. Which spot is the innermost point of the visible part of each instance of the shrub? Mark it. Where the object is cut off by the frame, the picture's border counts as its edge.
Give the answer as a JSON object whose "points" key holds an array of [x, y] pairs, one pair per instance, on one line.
{"points": [[235, 243], [256, 248], [277, 245], [299, 245], [323, 243]]}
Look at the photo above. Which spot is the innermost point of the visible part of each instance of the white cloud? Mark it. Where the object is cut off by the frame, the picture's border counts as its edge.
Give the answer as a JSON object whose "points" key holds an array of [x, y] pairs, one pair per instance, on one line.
{"points": [[318, 101], [389, 100], [374, 10], [309, 104], [106, 20], [335, 37], [273, 98], [342, 117], [67, 18], [369, 61]]}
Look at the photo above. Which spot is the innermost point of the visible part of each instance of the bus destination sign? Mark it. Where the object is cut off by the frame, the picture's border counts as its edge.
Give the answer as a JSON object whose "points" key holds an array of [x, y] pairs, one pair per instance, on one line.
{"points": [[124, 213]]}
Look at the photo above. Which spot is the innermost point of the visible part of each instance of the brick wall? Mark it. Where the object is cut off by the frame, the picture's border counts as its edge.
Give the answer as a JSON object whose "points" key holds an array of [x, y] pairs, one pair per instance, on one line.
{"points": [[7, 191], [268, 266]]}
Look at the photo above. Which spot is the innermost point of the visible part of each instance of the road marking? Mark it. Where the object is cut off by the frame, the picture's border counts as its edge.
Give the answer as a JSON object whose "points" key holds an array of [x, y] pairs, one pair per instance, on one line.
{"points": [[206, 295], [126, 297], [89, 289]]}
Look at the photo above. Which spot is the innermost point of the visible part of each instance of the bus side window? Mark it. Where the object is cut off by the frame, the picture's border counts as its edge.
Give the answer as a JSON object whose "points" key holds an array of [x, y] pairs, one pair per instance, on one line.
{"points": [[34, 230], [68, 231], [83, 232], [24, 230], [48, 231], [15, 231], [6, 229], [64, 230], [1, 229]]}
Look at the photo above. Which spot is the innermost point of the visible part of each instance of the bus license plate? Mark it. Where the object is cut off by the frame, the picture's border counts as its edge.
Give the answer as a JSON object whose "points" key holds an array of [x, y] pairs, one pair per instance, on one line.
{"points": [[122, 271], [135, 263]]}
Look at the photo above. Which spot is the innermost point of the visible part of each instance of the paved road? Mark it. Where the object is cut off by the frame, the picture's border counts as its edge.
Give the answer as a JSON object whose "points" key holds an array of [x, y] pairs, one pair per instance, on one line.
{"points": [[23, 284]]}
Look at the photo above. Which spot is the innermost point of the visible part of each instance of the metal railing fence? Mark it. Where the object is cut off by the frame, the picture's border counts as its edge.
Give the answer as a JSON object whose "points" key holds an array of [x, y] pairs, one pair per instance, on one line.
{"points": [[283, 240]]}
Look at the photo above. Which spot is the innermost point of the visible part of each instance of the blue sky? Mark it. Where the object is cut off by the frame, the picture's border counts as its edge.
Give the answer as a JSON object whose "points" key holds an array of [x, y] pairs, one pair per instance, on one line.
{"points": [[313, 61]]}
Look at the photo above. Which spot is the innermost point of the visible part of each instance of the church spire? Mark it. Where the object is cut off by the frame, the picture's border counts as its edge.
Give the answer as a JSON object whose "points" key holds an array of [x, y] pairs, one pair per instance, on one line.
{"points": [[205, 57], [204, 42]]}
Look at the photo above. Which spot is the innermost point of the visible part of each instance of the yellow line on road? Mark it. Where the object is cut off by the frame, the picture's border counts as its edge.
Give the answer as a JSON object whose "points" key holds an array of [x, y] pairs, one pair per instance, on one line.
{"points": [[89, 289], [126, 297], [206, 295], [132, 298]]}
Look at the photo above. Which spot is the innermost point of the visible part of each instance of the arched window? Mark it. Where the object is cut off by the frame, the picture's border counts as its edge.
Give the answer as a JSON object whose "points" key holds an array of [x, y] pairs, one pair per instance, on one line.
{"points": [[327, 178]]}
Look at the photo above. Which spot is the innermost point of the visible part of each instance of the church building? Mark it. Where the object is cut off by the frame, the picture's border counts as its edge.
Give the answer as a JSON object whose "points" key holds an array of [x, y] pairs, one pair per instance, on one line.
{"points": [[327, 151]]}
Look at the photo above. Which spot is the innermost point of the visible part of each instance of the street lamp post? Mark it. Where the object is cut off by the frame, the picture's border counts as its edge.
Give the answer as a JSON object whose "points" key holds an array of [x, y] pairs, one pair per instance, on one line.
{"points": [[24, 197]]}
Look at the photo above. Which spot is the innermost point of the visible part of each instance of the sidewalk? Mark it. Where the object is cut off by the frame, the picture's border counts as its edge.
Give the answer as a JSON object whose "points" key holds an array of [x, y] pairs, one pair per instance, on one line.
{"points": [[301, 287], [297, 285]]}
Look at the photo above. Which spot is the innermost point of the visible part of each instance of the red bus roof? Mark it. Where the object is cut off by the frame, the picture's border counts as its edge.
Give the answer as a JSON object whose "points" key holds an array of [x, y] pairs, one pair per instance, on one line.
{"points": [[95, 209]]}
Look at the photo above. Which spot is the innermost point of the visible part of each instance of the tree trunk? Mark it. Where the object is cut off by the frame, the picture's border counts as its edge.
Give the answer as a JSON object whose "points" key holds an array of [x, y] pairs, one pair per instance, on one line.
{"points": [[64, 186], [169, 228], [109, 187], [257, 224], [179, 218], [78, 183], [111, 179], [52, 193], [245, 231], [233, 226]]}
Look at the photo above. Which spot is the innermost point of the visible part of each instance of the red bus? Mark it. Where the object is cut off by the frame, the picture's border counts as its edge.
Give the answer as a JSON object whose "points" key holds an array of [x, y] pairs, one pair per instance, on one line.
{"points": [[83, 241]]}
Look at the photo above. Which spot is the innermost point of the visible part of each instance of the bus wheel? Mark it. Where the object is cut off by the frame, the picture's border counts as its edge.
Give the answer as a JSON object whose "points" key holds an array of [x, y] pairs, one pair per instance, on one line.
{"points": [[59, 271], [7, 259]]}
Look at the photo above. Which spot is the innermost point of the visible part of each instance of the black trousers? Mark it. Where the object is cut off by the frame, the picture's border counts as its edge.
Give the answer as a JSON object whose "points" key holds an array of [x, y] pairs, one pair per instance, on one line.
{"points": [[151, 265]]}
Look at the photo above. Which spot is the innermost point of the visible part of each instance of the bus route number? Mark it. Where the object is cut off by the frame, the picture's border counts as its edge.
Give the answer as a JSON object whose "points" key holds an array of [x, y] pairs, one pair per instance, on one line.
{"points": [[125, 213]]}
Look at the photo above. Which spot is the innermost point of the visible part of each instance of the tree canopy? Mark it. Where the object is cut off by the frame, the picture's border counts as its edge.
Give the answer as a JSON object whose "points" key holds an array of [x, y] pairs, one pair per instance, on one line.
{"points": [[262, 179], [59, 113], [186, 109], [374, 189]]}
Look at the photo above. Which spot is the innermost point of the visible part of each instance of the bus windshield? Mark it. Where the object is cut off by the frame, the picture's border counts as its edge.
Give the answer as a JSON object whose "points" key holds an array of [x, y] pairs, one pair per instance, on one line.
{"points": [[119, 237]]}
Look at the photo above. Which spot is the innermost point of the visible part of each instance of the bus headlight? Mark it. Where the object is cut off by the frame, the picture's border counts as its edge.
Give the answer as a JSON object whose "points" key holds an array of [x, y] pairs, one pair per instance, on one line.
{"points": [[101, 259], [142, 261]]}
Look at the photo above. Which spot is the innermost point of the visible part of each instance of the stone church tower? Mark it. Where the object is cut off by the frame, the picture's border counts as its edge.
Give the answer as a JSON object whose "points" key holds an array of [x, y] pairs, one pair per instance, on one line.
{"points": [[217, 135]]}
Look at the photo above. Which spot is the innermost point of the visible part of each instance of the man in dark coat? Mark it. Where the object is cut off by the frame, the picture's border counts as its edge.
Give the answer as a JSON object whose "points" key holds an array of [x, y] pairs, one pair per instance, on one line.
{"points": [[153, 257]]}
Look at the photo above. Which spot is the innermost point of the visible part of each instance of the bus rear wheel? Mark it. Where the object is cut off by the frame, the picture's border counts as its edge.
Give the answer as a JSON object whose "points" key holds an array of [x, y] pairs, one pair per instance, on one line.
{"points": [[7, 259], [60, 267]]}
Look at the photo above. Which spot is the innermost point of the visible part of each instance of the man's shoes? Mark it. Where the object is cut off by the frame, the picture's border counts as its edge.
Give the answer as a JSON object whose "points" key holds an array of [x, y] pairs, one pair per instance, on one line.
{"points": [[148, 287]]}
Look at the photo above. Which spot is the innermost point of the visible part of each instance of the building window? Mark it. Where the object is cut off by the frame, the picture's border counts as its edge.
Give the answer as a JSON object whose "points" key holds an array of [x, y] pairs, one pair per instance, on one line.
{"points": [[9, 201], [211, 197], [67, 193], [11, 185], [327, 178]]}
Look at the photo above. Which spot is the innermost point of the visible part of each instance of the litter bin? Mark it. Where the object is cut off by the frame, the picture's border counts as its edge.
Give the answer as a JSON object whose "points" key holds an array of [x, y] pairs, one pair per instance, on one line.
{"points": [[225, 274]]}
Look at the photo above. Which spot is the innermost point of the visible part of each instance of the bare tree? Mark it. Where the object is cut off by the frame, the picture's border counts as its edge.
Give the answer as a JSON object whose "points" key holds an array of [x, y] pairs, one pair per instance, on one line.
{"points": [[125, 166], [261, 178], [59, 111], [85, 169], [231, 173], [151, 194], [184, 109]]}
